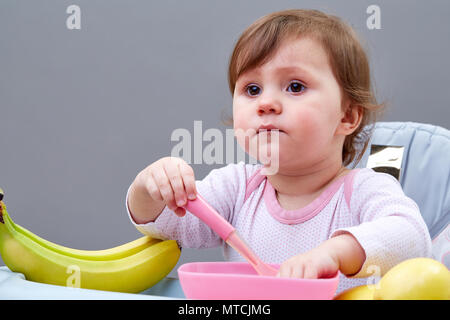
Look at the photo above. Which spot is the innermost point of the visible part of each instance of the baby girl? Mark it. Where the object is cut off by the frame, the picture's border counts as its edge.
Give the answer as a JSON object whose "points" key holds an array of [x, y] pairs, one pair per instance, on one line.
{"points": [[304, 74]]}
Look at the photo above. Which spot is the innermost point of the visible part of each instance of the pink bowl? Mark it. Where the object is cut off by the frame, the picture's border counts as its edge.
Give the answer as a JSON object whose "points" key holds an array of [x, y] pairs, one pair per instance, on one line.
{"points": [[239, 281]]}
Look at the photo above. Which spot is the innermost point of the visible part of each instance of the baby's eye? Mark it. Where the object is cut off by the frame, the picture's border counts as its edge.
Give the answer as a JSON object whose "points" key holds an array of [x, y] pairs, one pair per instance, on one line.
{"points": [[253, 90], [296, 87]]}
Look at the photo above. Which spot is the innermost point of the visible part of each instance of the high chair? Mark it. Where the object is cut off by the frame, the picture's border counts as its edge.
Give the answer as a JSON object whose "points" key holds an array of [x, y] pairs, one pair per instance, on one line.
{"points": [[424, 173]]}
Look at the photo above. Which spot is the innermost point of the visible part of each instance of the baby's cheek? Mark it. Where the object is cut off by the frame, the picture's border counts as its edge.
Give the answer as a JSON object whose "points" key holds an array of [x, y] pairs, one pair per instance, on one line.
{"points": [[239, 113], [242, 131], [245, 137], [238, 122], [310, 127], [308, 117]]}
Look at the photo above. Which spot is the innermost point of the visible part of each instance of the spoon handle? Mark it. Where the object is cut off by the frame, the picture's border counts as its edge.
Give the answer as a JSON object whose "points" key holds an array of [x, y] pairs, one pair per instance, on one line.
{"points": [[202, 210]]}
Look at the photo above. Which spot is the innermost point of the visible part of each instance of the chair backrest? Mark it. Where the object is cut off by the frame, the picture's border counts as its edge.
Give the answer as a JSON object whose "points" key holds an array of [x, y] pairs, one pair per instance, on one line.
{"points": [[425, 169]]}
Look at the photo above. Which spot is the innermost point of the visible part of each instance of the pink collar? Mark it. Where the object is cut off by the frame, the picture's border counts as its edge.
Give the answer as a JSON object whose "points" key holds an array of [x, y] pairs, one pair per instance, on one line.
{"points": [[302, 214]]}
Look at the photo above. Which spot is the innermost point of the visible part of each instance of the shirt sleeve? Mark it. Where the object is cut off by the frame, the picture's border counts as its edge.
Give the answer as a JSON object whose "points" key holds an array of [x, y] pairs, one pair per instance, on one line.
{"points": [[221, 189], [386, 223]]}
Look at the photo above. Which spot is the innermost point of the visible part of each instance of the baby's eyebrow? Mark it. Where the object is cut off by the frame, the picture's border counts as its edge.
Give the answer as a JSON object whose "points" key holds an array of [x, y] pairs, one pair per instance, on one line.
{"points": [[302, 71], [299, 69]]}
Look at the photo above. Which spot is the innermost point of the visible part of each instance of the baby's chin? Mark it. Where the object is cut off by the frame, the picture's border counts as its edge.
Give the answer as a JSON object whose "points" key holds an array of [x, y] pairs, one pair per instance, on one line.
{"points": [[287, 163]]}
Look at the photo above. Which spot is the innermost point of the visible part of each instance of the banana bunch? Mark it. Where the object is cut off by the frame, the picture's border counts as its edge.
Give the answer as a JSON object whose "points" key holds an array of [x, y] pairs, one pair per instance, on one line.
{"points": [[132, 267]]}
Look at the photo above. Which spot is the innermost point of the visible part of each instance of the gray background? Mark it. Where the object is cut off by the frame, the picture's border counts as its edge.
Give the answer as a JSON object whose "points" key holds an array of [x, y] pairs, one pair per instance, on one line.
{"points": [[83, 111]]}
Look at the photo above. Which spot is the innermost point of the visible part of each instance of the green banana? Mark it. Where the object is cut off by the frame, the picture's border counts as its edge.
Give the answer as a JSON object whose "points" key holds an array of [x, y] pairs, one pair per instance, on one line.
{"points": [[131, 268]]}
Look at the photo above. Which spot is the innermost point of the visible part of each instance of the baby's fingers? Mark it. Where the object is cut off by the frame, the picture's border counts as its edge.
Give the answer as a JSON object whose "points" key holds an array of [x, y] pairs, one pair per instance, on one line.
{"points": [[181, 212], [285, 270], [153, 189], [187, 174], [164, 187], [173, 174], [310, 272], [297, 269]]}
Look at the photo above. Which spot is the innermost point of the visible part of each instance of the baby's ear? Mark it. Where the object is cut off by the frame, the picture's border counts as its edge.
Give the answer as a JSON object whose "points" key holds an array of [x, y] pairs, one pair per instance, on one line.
{"points": [[352, 116]]}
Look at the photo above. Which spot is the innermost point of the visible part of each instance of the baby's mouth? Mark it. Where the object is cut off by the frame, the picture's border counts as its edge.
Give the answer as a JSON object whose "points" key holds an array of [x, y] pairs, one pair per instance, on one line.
{"points": [[269, 131]]}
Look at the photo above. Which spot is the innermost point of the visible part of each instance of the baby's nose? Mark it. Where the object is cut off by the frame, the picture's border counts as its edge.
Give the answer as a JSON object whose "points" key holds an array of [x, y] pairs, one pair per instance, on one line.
{"points": [[269, 107]]}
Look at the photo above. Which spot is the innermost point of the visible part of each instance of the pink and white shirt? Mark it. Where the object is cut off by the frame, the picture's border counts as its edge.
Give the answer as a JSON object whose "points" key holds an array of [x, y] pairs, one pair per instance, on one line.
{"points": [[369, 205]]}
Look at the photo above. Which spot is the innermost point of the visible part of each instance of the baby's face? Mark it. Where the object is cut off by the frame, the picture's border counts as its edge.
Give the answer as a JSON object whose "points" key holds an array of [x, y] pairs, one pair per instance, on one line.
{"points": [[296, 92]]}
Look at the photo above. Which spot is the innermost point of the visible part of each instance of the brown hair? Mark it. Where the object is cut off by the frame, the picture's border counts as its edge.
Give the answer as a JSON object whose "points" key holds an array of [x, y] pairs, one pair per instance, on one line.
{"points": [[347, 58]]}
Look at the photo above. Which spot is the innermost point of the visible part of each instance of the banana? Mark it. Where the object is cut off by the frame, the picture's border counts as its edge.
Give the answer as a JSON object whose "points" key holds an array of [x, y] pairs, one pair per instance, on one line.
{"points": [[45, 262], [107, 254]]}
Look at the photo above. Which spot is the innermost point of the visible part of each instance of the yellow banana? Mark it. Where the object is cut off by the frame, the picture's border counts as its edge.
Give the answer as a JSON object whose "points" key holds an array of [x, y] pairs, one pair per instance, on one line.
{"points": [[107, 254], [130, 273]]}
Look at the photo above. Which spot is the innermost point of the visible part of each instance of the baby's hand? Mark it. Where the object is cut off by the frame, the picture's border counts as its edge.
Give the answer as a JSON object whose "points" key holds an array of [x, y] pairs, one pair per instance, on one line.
{"points": [[171, 180], [316, 263]]}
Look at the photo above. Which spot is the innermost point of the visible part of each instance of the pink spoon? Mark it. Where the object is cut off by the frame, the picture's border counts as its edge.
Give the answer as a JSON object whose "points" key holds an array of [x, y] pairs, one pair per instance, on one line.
{"points": [[202, 210]]}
